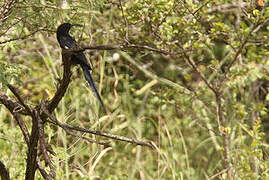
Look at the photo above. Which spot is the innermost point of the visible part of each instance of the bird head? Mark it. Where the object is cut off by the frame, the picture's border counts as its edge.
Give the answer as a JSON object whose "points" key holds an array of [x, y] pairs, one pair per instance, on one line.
{"points": [[65, 28]]}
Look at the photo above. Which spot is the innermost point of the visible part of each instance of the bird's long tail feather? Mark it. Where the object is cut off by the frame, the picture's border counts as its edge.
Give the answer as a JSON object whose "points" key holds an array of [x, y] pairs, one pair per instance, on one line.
{"points": [[89, 79]]}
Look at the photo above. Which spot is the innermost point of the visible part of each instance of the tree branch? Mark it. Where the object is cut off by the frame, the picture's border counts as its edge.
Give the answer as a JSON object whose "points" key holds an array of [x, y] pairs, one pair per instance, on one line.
{"points": [[32, 149], [196, 68], [125, 47], [80, 129], [12, 105], [43, 147], [108, 135], [23, 37], [244, 42], [4, 174], [16, 93], [63, 84]]}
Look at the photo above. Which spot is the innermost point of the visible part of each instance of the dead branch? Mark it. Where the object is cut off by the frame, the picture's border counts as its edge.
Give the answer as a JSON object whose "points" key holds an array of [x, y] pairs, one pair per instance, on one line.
{"points": [[125, 47], [16, 93], [4, 174], [12, 105], [23, 37], [32, 149], [43, 147], [99, 133], [63, 83]]}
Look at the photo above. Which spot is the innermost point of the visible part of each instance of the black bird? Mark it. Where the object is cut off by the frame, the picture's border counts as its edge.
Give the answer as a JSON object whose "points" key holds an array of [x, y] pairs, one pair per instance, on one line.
{"points": [[68, 42]]}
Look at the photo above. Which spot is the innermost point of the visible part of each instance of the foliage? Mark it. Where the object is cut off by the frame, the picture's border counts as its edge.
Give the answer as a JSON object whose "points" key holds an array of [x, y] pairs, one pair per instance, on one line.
{"points": [[227, 41]]}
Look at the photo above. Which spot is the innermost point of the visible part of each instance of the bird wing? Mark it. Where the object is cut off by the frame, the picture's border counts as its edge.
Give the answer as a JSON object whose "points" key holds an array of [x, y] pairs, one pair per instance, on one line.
{"points": [[80, 58], [67, 42]]}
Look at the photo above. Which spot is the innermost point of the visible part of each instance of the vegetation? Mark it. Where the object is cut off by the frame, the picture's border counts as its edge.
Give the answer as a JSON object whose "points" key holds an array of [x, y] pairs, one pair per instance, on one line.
{"points": [[191, 77]]}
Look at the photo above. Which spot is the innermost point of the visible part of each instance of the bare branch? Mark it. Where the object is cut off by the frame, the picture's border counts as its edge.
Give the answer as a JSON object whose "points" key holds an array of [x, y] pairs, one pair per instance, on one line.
{"points": [[16, 93], [68, 131], [218, 174], [23, 37], [32, 149], [43, 147], [203, 5], [63, 84], [12, 105], [80, 129], [4, 174], [196, 68], [125, 47], [244, 42], [42, 171], [111, 136]]}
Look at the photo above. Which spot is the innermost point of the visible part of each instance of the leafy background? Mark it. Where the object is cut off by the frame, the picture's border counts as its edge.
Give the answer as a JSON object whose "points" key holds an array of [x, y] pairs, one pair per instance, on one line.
{"points": [[151, 96]]}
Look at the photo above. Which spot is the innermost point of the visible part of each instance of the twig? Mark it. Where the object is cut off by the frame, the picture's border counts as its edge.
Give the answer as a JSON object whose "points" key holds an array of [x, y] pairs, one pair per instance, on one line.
{"points": [[225, 136], [15, 23], [219, 173], [56, 122], [42, 170], [12, 106], [126, 22], [111, 136], [68, 131], [80, 129], [261, 25], [23, 127], [238, 52], [192, 13], [16, 93], [23, 37], [127, 46], [203, 5], [196, 68]]}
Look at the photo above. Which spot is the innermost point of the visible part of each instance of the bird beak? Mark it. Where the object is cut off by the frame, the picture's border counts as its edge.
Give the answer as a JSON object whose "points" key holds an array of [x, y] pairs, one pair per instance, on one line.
{"points": [[77, 25]]}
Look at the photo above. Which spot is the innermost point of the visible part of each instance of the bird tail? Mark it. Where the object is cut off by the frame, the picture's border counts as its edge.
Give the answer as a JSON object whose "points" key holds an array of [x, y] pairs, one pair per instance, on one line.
{"points": [[89, 79]]}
